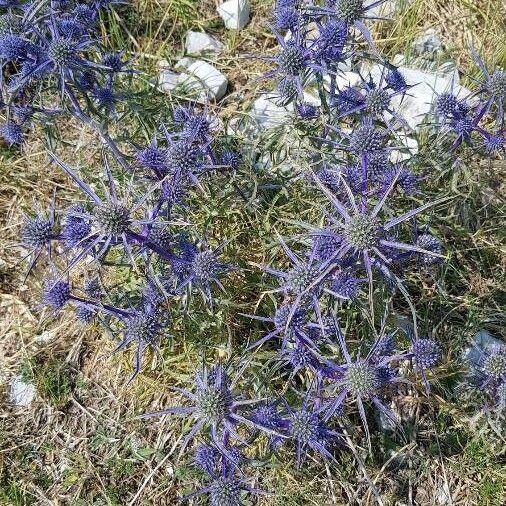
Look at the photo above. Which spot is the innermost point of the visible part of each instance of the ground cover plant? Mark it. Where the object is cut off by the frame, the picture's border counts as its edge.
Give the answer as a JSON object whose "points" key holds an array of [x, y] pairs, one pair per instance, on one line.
{"points": [[289, 322]]}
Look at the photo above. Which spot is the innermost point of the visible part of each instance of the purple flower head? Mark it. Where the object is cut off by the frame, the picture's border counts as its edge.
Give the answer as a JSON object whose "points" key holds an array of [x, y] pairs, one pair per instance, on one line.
{"points": [[231, 159], [162, 236], [430, 243], [174, 190], [446, 104], [71, 28], [37, 232], [426, 353], [330, 177], [309, 431], [307, 111], [105, 97], [378, 164], [12, 47], [496, 85], [366, 139], [292, 59], [75, 228], [63, 52], [345, 285], [112, 218], [494, 365], [286, 16], [152, 157], [85, 315], [142, 328], [56, 294], [207, 458], [214, 407], [395, 80], [377, 101], [113, 61], [183, 157], [202, 268], [349, 10], [196, 128], [332, 40], [402, 177], [363, 379], [325, 244], [494, 143], [11, 133]]}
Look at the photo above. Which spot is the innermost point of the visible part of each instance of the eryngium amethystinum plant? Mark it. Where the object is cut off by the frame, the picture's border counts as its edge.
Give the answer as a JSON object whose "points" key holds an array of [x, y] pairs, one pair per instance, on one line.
{"points": [[140, 223], [358, 255], [52, 63]]}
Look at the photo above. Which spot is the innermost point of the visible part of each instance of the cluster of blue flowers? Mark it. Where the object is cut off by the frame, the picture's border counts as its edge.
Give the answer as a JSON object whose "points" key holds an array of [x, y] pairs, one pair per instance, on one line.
{"points": [[139, 227], [356, 256], [52, 63]]}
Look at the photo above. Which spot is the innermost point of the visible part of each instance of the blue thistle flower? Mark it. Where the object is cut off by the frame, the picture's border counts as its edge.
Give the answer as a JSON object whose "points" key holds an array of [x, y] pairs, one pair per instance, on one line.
{"points": [[426, 353], [307, 111], [309, 431], [75, 228], [12, 47], [213, 407], [362, 379], [114, 62], [12, 133], [207, 457], [446, 104], [56, 294], [152, 157], [344, 285], [231, 159], [332, 40], [105, 97], [366, 139], [395, 80], [325, 244]]}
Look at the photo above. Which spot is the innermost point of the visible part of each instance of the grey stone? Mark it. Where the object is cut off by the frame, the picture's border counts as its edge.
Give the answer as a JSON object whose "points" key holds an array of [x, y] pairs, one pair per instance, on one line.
{"points": [[267, 114], [235, 13], [200, 42], [417, 102], [205, 80], [167, 80], [184, 63], [21, 393], [482, 342], [428, 45]]}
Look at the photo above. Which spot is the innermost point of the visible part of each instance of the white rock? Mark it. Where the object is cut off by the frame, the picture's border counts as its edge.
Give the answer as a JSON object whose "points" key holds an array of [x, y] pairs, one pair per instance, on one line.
{"points": [[202, 78], [483, 341], [411, 145], [417, 102], [167, 80], [386, 9], [428, 44], [267, 114], [200, 42], [184, 63], [21, 393], [235, 13], [162, 64], [46, 336]]}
